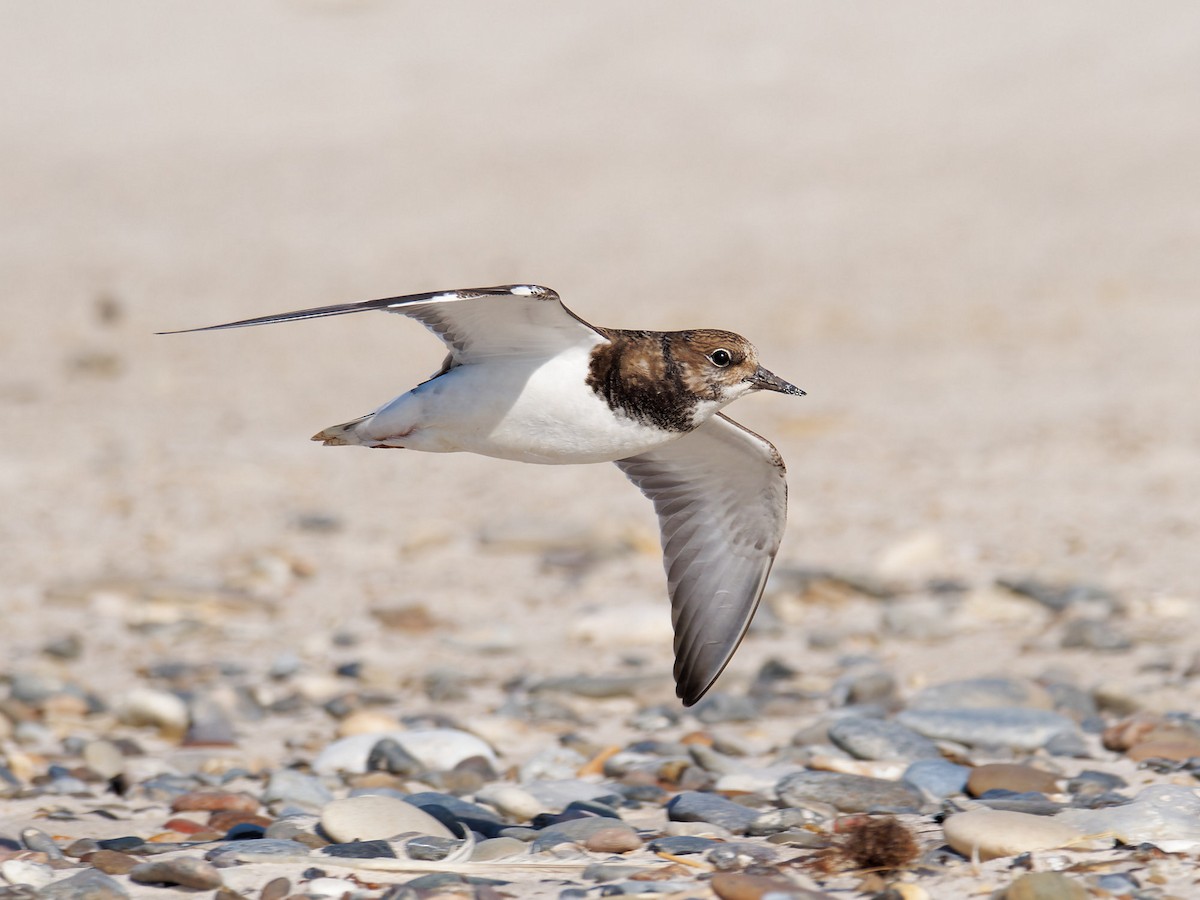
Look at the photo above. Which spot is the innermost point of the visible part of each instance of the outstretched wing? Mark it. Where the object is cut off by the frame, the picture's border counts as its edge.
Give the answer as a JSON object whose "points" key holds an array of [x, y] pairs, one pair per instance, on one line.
{"points": [[721, 498], [474, 323]]}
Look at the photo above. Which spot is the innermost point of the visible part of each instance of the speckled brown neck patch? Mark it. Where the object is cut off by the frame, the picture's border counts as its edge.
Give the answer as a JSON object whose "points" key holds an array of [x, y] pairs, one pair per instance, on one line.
{"points": [[639, 375]]}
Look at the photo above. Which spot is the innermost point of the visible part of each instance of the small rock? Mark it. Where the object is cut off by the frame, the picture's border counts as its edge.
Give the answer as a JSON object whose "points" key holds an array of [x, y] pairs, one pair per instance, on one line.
{"points": [[90, 884], [104, 758], [613, 840], [695, 806], [1020, 729], [983, 693], [429, 848], [184, 871], [937, 778], [848, 793], [774, 821], [876, 739], [360, 850], [163, 710], [37, 840], [1166, 815], [388, 756], [25, 871], [268, 849], [1094, 634], [293, 788], [996, 833], [1045, 886], [376, 817], [1010, 777], [498, 848], [276, 889], [740, 886], [512, 801], [575, 831], [455, 813], [112, 862], [552, 764], [1176, 749], [367, 721], [214, 800], [682, 845], [437, 749]]}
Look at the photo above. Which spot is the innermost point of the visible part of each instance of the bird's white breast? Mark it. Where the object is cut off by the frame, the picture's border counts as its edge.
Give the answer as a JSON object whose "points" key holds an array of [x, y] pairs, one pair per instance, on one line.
{"points": [[538, 411]]}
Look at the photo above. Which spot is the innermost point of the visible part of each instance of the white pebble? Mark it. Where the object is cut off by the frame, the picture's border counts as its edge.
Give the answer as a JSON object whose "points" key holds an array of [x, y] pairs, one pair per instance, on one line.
{"points": [[436, 748], [995, 833], [375, 817]]}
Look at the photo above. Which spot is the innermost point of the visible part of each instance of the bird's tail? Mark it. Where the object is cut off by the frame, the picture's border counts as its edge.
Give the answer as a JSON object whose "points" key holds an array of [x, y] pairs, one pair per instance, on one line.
{"points": [[343, 435]]}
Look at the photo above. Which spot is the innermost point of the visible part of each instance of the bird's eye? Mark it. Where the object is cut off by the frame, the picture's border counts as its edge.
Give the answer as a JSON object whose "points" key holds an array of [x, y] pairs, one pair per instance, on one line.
{"points": [[720, 358]]}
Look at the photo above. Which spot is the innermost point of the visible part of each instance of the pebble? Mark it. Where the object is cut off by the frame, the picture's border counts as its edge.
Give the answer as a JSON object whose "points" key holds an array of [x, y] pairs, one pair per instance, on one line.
{"points": [[90, 884], [997, 833], [163, 710], [983, 693], [455, 813], [577, 831], [498, 848], [290, 787], [739, 886], [112, 862], [1166, 815], [389, 756], [694, 806], [512, 801], [183, 871], [1016, 728], [1094, 634], [848, 793], [37, 840], [25, 871], [269, 849], [380, 849], [1045, 886], [682, 845], [104, 758], [613, 840], [330, 887], [937, 778], [375, 817], [1010, 777], [875, 739], [437, 749], [214, 800]]}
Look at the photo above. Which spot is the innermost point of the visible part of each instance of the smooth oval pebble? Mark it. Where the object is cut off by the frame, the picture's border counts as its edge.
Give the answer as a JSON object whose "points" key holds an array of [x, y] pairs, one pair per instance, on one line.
{"points": [[512, 801], [104, 758], [1010, 777], [330, 887], [613, 840], [90, 884], [997, 833], [376, 817], [1045, 886], [184, 871], [865, 738], [739, 886], [112, 862], [1015, 727]]}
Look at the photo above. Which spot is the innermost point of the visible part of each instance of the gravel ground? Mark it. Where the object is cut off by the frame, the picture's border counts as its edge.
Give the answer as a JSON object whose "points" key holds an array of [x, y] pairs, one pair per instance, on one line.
{"points": [[968, 233]]}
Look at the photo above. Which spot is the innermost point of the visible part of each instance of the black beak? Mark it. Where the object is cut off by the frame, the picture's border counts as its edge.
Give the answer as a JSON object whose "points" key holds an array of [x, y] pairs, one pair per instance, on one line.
{"points": [[767, 381]]}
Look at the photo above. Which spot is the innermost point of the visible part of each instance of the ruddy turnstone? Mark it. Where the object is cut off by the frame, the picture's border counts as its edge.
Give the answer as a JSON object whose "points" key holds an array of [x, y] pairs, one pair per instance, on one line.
{"points": [[526, 379]]}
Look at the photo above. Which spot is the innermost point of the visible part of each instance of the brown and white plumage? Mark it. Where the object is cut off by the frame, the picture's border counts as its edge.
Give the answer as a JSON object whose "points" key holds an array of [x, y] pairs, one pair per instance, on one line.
{"points": [[526, 379]]}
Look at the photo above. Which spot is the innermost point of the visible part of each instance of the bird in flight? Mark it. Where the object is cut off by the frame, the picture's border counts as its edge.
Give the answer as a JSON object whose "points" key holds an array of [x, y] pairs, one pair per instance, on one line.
{"points": [[526, 379]]}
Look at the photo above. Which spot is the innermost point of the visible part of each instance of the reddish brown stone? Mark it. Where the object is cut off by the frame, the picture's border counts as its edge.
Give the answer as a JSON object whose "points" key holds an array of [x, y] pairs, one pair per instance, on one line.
{"points": [[184, 826], [211, 800], [110, 862]]}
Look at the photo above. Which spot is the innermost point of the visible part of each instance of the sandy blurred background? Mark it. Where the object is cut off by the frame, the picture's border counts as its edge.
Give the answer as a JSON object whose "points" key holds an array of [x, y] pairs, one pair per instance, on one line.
{"points": [[969, 231]]}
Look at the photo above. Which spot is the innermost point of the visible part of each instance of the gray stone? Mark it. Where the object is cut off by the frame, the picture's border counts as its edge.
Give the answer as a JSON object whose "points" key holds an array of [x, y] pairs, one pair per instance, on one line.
{"points": [[937, 778], [876, 739], [848, 793], [388, 756], [773, 821], [1017, 728], [696, 806], [682, 845], [268, 849], [293, 788], [360, 850], [455, 813], [982, 693], [498, 848], [90, 884], [1094, 634], [430, 848]]}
